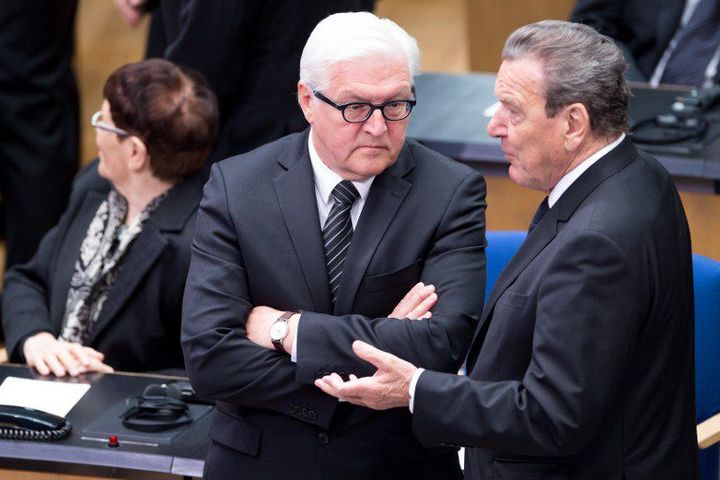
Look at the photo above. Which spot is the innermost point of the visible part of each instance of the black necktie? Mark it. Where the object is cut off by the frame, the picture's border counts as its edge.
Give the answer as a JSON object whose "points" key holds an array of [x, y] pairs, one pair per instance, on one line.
{"points": [[696, 44], [337, 233], [539, 214]]}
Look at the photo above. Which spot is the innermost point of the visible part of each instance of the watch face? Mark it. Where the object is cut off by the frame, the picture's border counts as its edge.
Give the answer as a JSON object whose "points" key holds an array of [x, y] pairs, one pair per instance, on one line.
{"points": [[278, 330]]}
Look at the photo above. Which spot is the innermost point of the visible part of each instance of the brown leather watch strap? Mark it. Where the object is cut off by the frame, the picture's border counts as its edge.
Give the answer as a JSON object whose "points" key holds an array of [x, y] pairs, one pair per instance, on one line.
{"points": [[278, 344]]}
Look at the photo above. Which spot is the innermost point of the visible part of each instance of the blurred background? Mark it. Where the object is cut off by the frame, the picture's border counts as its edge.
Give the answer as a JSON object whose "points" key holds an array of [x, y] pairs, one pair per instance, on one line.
{"points": [[455, 36]]}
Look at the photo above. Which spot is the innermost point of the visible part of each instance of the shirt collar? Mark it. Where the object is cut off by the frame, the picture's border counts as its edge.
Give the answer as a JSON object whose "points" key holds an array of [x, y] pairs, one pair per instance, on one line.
{"points": [[326, 179], [575, 173]]}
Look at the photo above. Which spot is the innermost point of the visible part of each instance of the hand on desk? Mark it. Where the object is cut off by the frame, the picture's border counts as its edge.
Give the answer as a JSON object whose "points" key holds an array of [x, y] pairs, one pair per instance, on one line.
{"points": [[415, 305], [48, 355], [387, 388]]}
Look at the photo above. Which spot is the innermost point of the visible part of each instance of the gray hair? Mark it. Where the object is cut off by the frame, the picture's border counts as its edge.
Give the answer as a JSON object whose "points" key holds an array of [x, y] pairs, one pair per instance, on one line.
{"points": [[355, 36], [580, 66]]}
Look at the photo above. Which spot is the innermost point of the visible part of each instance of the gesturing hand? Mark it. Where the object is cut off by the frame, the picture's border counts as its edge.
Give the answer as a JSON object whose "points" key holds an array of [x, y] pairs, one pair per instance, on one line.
{"points": [[387, 388], [416, 304], [47, 354]]}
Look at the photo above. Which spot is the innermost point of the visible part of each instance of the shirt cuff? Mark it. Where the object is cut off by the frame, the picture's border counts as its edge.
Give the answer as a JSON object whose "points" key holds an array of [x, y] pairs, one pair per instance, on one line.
{"points": [[293, 352], [413, 384]]}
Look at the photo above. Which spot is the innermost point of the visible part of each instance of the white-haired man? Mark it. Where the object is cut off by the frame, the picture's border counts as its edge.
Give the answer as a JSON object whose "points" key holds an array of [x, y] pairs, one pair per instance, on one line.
{"points": [[307, 244]]}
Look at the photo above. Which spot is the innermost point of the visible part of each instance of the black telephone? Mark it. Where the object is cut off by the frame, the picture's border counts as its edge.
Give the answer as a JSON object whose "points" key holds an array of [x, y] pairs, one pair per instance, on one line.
{"points": [[21, 423]]}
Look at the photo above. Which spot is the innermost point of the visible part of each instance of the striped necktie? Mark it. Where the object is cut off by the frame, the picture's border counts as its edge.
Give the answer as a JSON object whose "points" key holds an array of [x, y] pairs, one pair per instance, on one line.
{"points": [[696, 44], [337, 233]]}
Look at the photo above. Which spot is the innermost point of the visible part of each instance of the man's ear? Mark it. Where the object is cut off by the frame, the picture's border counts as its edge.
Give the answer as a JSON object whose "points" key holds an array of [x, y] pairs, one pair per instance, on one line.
{"points": [[138, 158], [305, 99], [577, 126]]}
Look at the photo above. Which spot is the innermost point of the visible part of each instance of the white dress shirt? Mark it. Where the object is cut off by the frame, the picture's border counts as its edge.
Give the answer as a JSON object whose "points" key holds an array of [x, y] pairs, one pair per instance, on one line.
{"points": [[560, 187], [325, 182]]}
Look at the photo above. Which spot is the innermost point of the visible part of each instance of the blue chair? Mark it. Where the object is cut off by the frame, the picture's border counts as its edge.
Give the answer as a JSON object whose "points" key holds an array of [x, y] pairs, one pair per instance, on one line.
{"points": [[706, 276], [502, 245]]}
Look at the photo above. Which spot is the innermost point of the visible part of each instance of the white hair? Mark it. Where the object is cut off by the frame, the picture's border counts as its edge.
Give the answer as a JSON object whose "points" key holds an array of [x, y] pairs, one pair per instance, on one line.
{"points": [[355, 36]]}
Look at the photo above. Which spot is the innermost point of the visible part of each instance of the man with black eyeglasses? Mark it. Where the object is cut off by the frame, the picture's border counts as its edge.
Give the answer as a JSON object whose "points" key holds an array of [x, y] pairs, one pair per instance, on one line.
{"points": [[311, 242]]}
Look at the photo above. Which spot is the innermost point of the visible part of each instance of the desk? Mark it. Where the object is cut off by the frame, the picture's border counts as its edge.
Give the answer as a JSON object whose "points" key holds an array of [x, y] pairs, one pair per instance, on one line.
{"points": [[183, 457], [448, 118]]}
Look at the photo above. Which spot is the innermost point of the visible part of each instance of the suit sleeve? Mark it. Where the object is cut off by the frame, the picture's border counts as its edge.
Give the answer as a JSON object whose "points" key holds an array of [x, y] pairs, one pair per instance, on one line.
{"points": [[455, 264], [27, 289], [586, 319], [608, 17], [26, 295], [223, 364]]}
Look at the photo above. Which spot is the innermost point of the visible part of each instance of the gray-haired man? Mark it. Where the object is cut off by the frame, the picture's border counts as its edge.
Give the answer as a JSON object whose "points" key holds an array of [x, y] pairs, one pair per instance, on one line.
{"points": [[582, 365]]}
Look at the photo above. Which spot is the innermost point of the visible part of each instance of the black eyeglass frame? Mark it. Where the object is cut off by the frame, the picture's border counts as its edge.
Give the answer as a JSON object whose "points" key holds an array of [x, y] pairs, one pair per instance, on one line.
{"points": [[344, 106]]}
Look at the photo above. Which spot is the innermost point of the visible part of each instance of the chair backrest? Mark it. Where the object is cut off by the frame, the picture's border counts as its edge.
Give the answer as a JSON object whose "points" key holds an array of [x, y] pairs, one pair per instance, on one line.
{"points": [[706, 279], [502, 245]]}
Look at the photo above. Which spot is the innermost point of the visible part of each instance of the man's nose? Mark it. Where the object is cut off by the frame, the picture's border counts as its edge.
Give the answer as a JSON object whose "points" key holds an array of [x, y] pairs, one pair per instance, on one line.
{"points": [[495, 127], [376, 124]]}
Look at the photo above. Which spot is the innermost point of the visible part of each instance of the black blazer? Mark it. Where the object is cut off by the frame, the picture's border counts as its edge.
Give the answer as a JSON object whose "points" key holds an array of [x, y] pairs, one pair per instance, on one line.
{"points": [[642, 28], [259, 242], [582, 366], [139, 325], [250, 53]]}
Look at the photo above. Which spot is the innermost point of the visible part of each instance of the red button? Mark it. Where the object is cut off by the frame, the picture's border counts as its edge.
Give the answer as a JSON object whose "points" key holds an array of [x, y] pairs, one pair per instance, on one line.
{"points": [[113, 441]]}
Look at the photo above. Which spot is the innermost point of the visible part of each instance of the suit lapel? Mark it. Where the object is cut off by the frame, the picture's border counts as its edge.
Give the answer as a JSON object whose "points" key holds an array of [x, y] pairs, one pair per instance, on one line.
{"points": [[295, 191], [543, 234], [171, 215], [669, 16], [385, 197], [140, 257], [547, 229], [70, 252]]}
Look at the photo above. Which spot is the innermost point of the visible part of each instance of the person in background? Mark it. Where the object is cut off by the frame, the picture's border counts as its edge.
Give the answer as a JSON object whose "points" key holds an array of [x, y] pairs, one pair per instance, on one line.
{"points": [[248, 50], [38, 120], [664, 41], [104, 289], [583, 362]]}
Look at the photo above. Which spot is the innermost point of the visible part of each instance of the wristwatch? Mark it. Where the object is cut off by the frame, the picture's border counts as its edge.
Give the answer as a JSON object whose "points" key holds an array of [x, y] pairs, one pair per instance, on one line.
{"points": [[279, 330]]}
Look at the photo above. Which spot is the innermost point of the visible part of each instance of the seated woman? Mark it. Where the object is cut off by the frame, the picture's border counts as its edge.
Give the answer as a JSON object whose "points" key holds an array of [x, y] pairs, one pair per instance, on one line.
{"points": [[104, 290]]}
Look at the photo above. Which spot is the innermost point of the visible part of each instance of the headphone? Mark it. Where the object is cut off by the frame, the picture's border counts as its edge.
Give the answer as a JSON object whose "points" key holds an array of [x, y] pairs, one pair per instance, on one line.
{"points": [[159, 408], [686, 120]]}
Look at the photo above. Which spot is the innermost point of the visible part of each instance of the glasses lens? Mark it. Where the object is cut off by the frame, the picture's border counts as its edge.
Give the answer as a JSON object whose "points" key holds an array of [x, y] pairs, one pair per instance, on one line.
{"points": [[356, 112], [397, 110]]}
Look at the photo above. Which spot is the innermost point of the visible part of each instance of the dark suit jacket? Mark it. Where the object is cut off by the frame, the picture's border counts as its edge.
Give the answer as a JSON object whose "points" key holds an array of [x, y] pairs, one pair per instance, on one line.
{"points": [[250, 53], [139, 325], [38, 120], [583, 364], [259, 242], [642, 28]]}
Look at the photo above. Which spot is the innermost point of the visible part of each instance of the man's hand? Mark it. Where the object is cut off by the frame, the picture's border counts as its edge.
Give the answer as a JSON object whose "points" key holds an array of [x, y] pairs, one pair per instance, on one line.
{"points": [[258, 327], [387, 388], [48, 355], [131, 11], [416, 304]]}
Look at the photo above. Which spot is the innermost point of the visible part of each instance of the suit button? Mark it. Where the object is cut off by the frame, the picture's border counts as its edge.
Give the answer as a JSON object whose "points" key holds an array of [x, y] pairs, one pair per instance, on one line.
{"points": [[323, 438], [313, 415]]}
